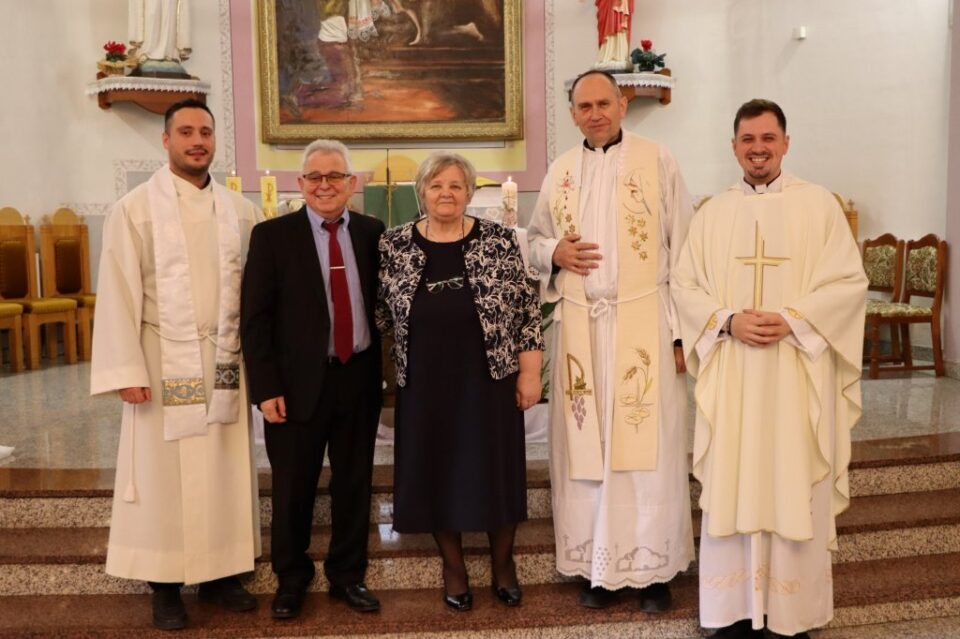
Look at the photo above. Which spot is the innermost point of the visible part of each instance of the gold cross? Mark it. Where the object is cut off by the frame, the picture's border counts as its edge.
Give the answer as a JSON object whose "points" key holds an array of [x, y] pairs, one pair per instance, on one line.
{"points": [[758, 260]]}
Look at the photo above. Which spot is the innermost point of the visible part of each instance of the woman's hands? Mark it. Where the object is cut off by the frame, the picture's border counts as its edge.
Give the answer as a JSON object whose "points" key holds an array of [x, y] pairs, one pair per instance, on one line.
{"points": [[528, 389], [528, 380]]}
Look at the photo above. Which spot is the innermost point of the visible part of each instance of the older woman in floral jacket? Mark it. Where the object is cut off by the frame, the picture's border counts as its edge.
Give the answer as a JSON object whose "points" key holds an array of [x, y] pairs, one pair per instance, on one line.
{"points": [[468, 349]]}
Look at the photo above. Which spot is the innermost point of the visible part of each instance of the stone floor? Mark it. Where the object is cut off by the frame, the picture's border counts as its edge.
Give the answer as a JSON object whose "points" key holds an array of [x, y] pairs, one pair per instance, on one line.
{"points": [[945, 628], [80, 431]]}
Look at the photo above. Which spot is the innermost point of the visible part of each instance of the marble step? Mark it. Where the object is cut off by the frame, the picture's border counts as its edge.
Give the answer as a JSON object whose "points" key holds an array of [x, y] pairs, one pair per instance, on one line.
{"points": [[866, 592], [70, 560], [35, 498]]}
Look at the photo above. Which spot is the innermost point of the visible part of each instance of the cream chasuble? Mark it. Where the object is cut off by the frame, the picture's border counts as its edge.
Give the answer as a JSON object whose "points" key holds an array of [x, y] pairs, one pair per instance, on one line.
{"points": [[772, 438], [184, 510], [620, 527]]}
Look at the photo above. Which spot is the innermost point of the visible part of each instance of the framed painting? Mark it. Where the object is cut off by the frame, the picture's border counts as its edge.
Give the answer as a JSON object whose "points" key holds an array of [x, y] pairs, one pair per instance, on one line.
{"points": [[390, 70]]}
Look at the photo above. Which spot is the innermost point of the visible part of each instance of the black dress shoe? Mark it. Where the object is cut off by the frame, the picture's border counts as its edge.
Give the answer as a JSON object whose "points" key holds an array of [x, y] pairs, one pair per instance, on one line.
{"points": [[509, 596], [743, 629], [773, 635], [227, 593], [655, 598], [357, 597], [168, 610], [461, 603], [288, 601], [597, 597]]}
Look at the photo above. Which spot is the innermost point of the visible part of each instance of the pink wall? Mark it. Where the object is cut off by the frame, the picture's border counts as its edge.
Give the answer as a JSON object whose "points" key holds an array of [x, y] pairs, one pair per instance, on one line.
{"points": [[244, 98], [952, 314]]}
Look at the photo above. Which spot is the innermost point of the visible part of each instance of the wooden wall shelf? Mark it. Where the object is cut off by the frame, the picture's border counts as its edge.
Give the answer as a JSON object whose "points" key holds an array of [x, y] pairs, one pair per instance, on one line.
{"points": [[155, 99], [663, 94]]}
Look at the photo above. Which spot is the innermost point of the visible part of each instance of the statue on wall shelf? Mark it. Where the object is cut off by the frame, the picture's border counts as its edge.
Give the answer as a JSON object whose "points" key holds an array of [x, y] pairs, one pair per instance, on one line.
{"points": [[159, 32], [614, 26]]}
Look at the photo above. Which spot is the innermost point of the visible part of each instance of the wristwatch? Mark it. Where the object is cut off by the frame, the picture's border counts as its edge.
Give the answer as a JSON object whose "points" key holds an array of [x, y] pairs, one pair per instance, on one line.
{"points": [[726, 325]]}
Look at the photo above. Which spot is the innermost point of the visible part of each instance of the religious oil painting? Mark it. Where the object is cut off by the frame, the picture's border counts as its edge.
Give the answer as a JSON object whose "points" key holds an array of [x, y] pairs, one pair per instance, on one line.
{"points": [[390, 69]]}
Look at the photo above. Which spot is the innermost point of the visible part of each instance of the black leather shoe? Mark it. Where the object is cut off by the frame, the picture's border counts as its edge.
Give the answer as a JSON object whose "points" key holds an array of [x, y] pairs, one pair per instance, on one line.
{"points": [[357, 597], [461, 603], [509, 596], [743, 629], [655, 598], [773, 635], [168, 610], [597, 597], [227, 593], [288, 601]]}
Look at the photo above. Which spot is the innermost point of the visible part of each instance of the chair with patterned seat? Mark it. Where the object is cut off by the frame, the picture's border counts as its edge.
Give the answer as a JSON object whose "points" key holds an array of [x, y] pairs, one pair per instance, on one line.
{"points": [[11, 319], [65, 269], [925, 276], [18, 284], [883, 264]]}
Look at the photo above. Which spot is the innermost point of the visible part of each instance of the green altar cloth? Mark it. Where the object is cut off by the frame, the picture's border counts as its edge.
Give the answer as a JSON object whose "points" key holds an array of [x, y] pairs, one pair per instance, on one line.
{"points": [[403, 207]]}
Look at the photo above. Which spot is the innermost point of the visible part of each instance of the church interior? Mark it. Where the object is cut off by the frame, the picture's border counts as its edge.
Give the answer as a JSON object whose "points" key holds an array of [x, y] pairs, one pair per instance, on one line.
{"points": [[871, 92]]}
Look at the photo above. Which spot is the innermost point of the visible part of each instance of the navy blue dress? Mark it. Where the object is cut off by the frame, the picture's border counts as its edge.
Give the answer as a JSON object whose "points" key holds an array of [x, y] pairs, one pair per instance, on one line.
{"points": [[460, 460]]}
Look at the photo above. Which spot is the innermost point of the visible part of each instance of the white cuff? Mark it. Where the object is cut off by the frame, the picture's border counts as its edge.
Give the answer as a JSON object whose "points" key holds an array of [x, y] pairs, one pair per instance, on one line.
{"points": [[803, 336], [711, 336]]}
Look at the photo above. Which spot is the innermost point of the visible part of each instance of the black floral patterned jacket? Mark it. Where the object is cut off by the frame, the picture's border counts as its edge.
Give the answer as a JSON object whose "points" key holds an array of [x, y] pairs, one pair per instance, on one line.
{"points": [[505, 296]]}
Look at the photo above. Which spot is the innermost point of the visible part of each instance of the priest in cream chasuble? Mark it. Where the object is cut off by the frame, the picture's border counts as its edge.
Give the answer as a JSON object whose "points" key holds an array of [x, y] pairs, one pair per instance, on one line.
{"points": [[771, 295], [618, 465]]}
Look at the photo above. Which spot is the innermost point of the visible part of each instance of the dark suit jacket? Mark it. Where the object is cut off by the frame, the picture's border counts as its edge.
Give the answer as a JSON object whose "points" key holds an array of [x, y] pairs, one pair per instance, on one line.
{"points": [[284, 320]]}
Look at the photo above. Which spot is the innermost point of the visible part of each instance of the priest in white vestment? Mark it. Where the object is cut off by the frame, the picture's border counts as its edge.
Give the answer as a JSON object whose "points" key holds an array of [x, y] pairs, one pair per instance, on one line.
{"points": [[167, 339], [771, 294], [608, 226]]}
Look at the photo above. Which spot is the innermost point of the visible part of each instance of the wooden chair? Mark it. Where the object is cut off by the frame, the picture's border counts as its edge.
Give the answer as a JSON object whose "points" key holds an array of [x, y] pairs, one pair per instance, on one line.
{"points": [[11, 319], [925, 276], [883, 264], [65, 269], [18, 284], [850, 212]]}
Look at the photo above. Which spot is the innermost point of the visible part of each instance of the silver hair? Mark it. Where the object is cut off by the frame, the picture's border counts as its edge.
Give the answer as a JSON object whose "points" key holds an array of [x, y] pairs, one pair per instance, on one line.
{"points": [[333, 147], [437, 162]]}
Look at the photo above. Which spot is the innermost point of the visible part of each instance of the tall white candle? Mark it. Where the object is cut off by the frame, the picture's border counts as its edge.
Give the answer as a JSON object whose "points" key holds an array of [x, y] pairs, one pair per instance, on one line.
{"points": [[509, 192]]}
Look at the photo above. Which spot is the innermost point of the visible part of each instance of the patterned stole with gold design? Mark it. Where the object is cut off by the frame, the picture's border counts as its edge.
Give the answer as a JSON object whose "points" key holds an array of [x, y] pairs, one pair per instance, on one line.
{"points": [[636, 364], [185, 411]]}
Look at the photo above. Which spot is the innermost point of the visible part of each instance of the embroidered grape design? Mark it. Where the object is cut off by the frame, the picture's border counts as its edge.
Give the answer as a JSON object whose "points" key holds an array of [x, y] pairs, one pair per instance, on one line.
{"points": [[579, 410]]}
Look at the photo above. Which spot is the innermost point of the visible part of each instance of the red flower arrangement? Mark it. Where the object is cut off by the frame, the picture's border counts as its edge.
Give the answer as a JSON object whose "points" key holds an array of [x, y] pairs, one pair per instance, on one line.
{"points": [[647, 60], [116, 51]]}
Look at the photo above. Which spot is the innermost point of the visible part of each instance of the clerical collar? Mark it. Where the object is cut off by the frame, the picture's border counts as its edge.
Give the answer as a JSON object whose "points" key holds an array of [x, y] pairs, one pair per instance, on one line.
{"points": [[615, 141], [187, 182], [773, 186]]}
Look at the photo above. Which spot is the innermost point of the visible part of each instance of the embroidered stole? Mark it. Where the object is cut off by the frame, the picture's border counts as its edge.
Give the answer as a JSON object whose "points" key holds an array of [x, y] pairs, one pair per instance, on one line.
{"points": [[185, 411], [635, 418]]}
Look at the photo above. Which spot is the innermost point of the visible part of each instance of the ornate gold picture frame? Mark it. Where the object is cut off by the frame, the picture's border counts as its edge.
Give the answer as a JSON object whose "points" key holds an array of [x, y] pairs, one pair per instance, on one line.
{"points": [[390, 70]]}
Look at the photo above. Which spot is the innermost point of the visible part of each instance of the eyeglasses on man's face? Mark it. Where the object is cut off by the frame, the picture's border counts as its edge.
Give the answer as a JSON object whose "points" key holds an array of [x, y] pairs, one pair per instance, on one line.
{"points": [[334, 178]]}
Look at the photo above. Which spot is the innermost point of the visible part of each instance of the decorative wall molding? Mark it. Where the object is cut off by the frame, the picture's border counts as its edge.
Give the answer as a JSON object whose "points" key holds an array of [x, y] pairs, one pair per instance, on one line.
{"points": [[87, 209], [549, 80], [122, 167], [227, 161]]}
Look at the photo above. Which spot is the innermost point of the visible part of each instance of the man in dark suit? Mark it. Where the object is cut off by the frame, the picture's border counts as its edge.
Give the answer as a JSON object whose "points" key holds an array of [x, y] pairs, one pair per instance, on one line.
{"points": [[312, 354]]}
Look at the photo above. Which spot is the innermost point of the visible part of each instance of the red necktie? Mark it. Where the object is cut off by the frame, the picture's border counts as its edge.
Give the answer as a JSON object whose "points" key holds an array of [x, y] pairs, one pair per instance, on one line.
{"points": [[340, 293]]}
